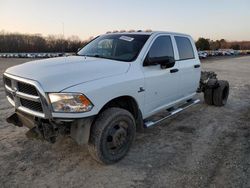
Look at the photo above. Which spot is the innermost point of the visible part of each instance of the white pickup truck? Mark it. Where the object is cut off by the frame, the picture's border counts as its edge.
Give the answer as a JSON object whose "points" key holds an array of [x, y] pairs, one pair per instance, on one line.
{"points": [[110, 89]]}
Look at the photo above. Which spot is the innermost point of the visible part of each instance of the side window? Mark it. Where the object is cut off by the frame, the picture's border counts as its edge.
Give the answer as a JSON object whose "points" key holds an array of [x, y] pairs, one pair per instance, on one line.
{"points": [[161, 47], [185, 48]]}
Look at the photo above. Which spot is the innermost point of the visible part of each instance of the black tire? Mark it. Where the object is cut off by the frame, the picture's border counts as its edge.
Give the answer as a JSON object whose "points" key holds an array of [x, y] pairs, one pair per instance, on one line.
{"points": [[208, 96], [112, 135], [220, 94]]}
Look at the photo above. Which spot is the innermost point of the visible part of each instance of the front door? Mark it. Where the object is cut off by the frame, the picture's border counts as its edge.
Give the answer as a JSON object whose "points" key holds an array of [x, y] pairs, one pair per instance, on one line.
{"points": [[161, 85]]}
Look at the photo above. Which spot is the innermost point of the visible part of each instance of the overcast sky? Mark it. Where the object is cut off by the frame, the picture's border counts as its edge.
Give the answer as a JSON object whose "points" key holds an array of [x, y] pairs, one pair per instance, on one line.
{"points": [[215, 19]]}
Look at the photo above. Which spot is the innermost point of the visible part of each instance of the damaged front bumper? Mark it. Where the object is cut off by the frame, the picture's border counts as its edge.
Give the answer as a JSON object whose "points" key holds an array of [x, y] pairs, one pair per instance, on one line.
{"points": [[49, 130], [33, 110]]}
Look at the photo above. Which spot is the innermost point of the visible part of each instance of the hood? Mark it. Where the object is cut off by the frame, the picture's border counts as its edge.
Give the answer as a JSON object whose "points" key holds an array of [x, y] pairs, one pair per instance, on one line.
{"points": [[56, 74]]}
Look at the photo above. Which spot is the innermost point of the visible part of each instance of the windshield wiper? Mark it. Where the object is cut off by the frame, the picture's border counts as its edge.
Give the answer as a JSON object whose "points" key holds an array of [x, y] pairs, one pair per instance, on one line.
{"points": [[76, 55], [98, 56], [95, 55]]}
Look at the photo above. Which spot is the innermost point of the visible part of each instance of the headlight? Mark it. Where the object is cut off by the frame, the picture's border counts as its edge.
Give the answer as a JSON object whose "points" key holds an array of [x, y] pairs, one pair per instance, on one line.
{"points": [[70, 102]]}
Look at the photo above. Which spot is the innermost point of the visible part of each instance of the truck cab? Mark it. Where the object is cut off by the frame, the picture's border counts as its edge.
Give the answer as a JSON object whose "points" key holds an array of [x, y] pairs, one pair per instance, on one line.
{"points": [[109, 90], [174, 82]]}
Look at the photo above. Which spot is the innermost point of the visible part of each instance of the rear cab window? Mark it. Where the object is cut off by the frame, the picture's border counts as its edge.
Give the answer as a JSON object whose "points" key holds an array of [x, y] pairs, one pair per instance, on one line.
{"points": [[184, 47]]}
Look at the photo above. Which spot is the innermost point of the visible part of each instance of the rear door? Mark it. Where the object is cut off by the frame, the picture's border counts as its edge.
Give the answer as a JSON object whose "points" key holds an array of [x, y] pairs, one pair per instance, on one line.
{"points": [[189, 65]]}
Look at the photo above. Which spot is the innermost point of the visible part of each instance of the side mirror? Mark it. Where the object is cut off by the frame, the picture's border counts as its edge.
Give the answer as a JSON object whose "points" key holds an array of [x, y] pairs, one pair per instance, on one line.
{"points": [[165, 61], [148, 61]]}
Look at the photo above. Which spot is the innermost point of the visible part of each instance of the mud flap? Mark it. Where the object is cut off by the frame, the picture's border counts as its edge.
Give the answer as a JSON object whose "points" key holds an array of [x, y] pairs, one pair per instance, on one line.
{"points": [[80, 130]]}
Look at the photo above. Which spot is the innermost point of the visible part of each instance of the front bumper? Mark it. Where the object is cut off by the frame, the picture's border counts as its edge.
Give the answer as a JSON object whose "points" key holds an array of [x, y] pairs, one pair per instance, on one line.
{"points": [[49, 130], [38, 128], [44, 123], [20, 119]]}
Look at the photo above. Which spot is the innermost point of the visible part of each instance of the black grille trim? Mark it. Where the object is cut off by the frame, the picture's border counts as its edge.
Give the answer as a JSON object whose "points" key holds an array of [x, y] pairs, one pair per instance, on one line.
{"points": [[27, 88], [35, 106]]}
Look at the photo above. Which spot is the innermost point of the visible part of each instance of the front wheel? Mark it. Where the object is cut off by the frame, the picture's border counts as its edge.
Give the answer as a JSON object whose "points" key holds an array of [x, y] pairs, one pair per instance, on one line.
{"points": [[112, 135]]}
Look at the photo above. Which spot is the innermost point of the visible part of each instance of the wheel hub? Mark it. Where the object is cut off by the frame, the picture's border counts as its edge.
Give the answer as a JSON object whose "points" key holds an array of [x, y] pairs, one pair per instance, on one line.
{"points": [[119, 137]]}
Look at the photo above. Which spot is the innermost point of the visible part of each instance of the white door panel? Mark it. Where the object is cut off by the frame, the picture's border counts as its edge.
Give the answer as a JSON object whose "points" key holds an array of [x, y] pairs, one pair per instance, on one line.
{"points": [[189, 65], [189, 76], [161, 86]]}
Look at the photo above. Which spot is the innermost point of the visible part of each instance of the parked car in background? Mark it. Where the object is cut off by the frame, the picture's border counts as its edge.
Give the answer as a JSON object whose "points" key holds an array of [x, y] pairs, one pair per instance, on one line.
{"points": [[202, 55], [225, 52]]}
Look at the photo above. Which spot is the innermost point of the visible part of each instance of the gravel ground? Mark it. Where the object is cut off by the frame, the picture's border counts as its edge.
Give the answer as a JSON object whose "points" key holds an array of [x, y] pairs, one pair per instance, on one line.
{"points": [[204, 146]]}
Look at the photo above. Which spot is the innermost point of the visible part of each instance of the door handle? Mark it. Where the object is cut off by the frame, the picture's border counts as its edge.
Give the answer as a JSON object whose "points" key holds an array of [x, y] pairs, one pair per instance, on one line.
{"points": [[174, 70], [196, 66]]}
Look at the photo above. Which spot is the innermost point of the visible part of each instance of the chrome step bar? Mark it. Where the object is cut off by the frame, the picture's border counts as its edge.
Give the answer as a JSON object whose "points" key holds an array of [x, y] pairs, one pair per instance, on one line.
{"points": [[172, 112]]}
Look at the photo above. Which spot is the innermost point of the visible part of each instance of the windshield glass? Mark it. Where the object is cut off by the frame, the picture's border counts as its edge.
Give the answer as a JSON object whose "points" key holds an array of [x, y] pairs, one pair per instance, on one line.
{"points": [[121, 47]]}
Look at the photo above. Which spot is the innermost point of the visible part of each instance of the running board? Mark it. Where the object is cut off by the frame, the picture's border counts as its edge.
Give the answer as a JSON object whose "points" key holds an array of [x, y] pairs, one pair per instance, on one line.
{"points": [[172, 112]]}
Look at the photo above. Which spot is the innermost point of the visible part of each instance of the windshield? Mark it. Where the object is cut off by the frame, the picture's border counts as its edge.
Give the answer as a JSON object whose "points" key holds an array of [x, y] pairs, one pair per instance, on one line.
{"points": [[121, 47]]}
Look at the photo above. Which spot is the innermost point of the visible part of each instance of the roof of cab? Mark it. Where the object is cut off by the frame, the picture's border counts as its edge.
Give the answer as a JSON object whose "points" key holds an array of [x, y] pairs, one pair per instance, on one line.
{"points": [[146, 33]]}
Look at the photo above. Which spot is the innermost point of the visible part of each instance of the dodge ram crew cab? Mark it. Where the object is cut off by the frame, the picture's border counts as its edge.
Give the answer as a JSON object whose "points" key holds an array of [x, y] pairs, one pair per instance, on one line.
{"points": [[110, 89]]}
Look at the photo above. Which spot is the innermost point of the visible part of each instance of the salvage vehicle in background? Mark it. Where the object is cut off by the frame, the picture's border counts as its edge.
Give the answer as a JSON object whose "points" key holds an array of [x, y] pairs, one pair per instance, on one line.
{"points": [[202, 55], [112, 88]]}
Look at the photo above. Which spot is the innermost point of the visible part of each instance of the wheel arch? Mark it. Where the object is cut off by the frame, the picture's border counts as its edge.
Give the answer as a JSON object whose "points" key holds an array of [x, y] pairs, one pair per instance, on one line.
{"points": [[128, 103]]}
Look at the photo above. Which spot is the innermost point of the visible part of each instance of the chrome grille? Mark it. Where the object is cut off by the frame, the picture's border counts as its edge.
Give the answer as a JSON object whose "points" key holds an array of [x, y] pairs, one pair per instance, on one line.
{"points": [[24, 96], [9, 95]]}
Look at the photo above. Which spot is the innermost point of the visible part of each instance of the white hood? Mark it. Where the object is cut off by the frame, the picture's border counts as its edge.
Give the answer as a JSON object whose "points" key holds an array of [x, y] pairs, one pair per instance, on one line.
{"points": [[56, 74]]}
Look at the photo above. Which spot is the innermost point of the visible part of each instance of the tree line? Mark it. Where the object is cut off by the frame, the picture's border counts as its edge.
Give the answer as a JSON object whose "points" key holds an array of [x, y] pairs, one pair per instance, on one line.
{"points": [[207, 44], [18, 43]]}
